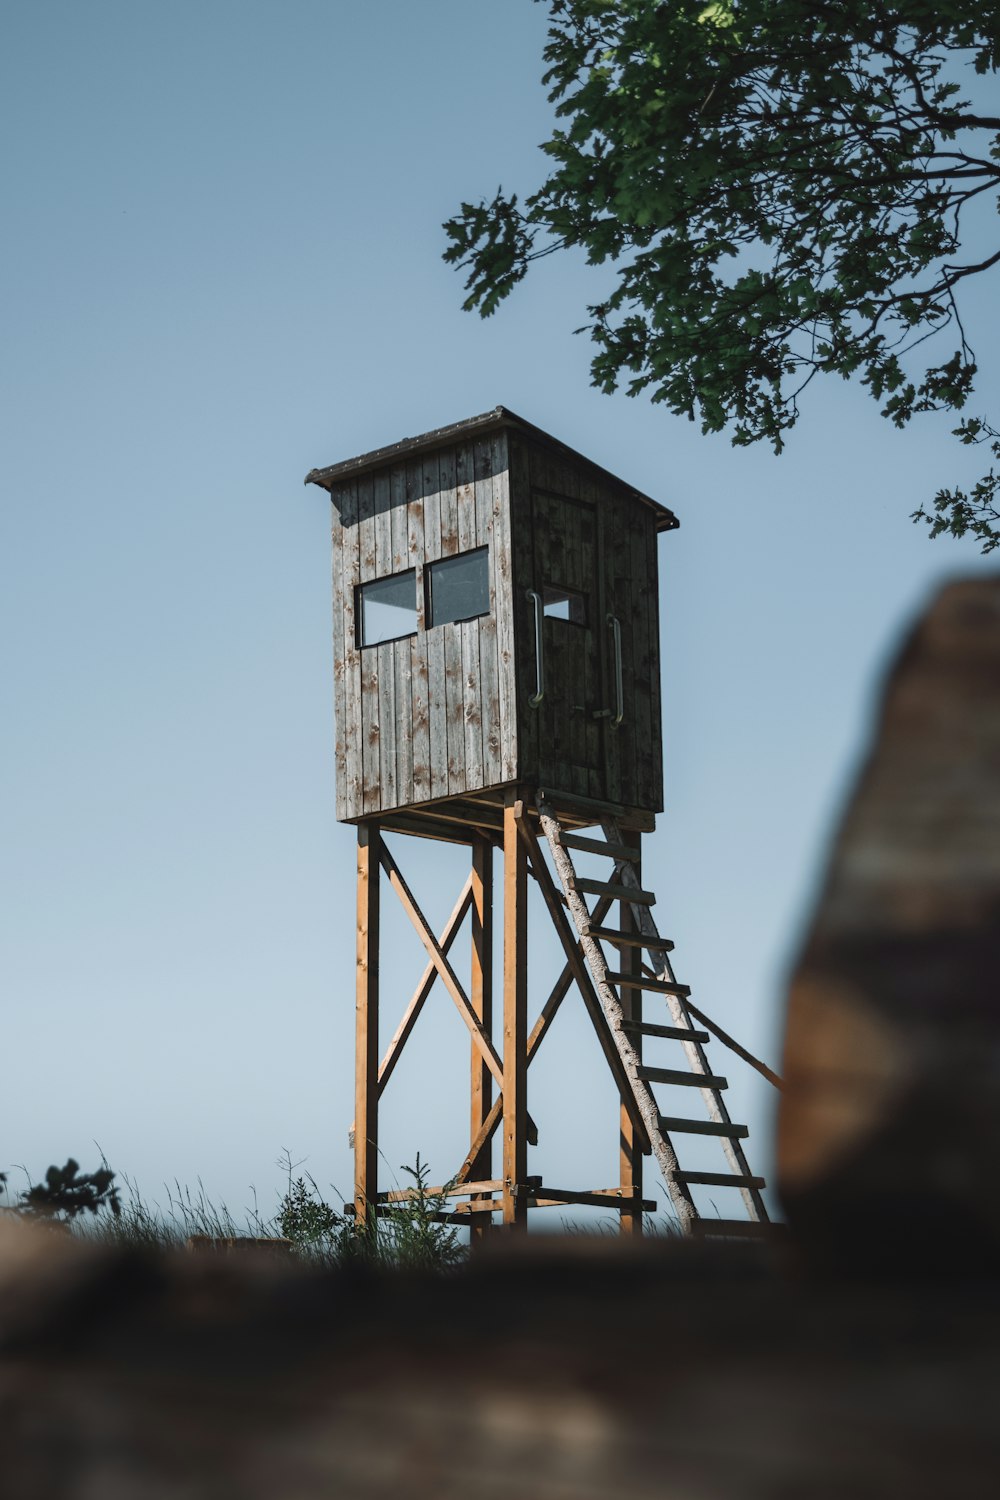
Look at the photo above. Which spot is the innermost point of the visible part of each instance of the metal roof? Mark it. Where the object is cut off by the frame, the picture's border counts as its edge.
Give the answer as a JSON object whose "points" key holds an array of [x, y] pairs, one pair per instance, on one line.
{"points": [[489, 421]]}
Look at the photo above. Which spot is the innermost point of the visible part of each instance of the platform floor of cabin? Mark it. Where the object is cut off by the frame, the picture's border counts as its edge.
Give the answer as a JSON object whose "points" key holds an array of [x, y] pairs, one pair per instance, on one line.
{"points": [[459, 819]]}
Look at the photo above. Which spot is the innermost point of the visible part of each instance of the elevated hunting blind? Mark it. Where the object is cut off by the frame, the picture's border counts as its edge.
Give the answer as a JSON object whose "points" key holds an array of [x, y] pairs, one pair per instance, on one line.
{"points": [[496, 656], [495, 621]]}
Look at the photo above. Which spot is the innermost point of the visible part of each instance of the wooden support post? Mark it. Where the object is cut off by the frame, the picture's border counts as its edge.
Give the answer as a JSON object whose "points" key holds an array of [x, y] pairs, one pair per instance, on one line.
{"points": [[481, 997], [366, 1027], [515, 1015], [630, 1150]]}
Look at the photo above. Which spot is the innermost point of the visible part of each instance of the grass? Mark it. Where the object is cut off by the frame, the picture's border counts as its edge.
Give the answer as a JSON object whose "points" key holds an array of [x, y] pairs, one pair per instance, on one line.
{"points": [[408, 1236]]}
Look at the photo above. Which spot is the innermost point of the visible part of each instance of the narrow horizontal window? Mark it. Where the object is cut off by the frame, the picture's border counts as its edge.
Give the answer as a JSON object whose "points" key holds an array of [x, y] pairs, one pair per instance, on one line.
{"points": [[564, 604], [387, 608], [458, 588]]}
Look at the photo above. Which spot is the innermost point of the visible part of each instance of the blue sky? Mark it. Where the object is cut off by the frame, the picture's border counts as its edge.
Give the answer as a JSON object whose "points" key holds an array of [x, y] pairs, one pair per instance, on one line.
{"points": [[222, 268]]}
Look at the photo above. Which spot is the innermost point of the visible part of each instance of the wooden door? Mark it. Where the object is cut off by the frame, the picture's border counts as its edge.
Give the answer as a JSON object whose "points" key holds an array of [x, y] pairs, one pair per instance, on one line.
{"points": [[566, 608]]}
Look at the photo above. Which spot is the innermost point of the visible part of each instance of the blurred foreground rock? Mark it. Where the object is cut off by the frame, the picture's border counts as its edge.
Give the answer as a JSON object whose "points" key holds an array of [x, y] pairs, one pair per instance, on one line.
{"points": [[581, 1370], [889, 1130]]}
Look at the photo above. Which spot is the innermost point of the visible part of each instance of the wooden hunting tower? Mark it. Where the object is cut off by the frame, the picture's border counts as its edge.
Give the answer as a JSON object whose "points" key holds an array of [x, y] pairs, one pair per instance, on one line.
{"points": [[496, 650]]}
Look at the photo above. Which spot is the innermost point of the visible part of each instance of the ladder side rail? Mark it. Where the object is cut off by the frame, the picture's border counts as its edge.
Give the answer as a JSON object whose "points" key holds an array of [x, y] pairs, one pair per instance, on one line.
{"points": [[663, 1149], [694, 1050]]}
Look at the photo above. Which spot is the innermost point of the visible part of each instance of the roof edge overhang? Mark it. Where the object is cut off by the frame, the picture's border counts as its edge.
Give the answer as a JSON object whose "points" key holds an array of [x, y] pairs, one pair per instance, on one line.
{"points": [[489, 421]]}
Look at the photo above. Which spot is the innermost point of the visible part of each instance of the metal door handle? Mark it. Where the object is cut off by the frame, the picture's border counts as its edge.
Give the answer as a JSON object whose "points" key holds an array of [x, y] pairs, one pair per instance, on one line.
{"points": [[616, 631], [536, 697]]}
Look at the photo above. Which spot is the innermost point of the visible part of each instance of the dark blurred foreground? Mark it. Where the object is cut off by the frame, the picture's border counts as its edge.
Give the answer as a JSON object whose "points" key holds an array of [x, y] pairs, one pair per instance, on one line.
{"points": [[559, 1370], [856, 1355]]}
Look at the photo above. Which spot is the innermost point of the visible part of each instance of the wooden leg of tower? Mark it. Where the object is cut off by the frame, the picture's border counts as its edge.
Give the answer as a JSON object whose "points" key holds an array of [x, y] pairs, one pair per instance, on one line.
{"points": [[630, 1154], [481, 997], [515, 1016], [366, 1057]]}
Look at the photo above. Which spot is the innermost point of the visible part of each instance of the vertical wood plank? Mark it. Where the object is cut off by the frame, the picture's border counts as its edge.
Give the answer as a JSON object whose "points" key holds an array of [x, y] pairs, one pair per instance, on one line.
{"points": [[610, 565], [481, 998], [466, 456], [436, 665], [371, 767], [621, 513], [401, 651], [515, 1015], [655, 705], [366, 1027], [419, 690], [639, 681], [383, 655], [502, 583], [485, 481], [339, 663], [454, 687], [630, 1153], [519, 549], [352, 804], [472, 705], [596, 678], [448, 502]]}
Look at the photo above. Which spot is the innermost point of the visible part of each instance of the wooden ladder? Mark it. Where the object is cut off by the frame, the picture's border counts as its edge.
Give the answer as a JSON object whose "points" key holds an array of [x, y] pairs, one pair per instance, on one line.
{"points": [[624, 887]]}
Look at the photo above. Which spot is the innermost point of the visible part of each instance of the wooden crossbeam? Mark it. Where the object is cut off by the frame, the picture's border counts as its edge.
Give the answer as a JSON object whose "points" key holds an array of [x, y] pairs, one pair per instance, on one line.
{"points": [[538, 1033], [423, 989], [444, 968], [613, 1198], [600, 846], [575, 960], [420, 994], [449, 1190]]}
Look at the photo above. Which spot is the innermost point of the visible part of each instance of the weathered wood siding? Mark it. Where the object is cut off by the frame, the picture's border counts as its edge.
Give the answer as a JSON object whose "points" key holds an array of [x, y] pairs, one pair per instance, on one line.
{"points": [[432, 715], [573, 529], [445, 712]]}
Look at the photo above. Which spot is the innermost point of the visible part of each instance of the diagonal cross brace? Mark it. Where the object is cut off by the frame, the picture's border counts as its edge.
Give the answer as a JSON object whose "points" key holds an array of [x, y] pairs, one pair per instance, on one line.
{"points": [[420, 994], [448, 976], [423, 989]]}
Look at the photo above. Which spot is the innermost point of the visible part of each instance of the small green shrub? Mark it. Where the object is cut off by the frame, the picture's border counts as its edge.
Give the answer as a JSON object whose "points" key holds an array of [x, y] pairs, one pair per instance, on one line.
{"points": [[304, 1218], [66, 1193], [406, 1234], [416, 1238]]}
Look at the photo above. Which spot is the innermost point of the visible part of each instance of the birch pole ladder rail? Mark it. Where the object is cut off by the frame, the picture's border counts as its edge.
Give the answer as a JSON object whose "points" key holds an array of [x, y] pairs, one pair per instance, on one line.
{"points": [[628, 1034]]}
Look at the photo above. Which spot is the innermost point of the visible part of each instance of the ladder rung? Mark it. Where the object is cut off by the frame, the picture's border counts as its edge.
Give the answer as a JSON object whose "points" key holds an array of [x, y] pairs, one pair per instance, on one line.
{"points": [[640, 982], [672, 1033], [628, 893], [684, 1077], [721, 1179], [631, 939], [731, 1228], [670, 1123], [600, 846]]}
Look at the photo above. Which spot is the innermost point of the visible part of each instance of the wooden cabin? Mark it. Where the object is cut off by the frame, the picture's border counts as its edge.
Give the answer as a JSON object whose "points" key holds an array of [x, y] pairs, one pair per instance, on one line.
{"points": [[496, 622]]}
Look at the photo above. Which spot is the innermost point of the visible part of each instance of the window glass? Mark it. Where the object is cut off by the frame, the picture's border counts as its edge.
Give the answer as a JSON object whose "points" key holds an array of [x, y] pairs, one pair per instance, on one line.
{"points": [[564, 604], [387, 608], [458, 588]]}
